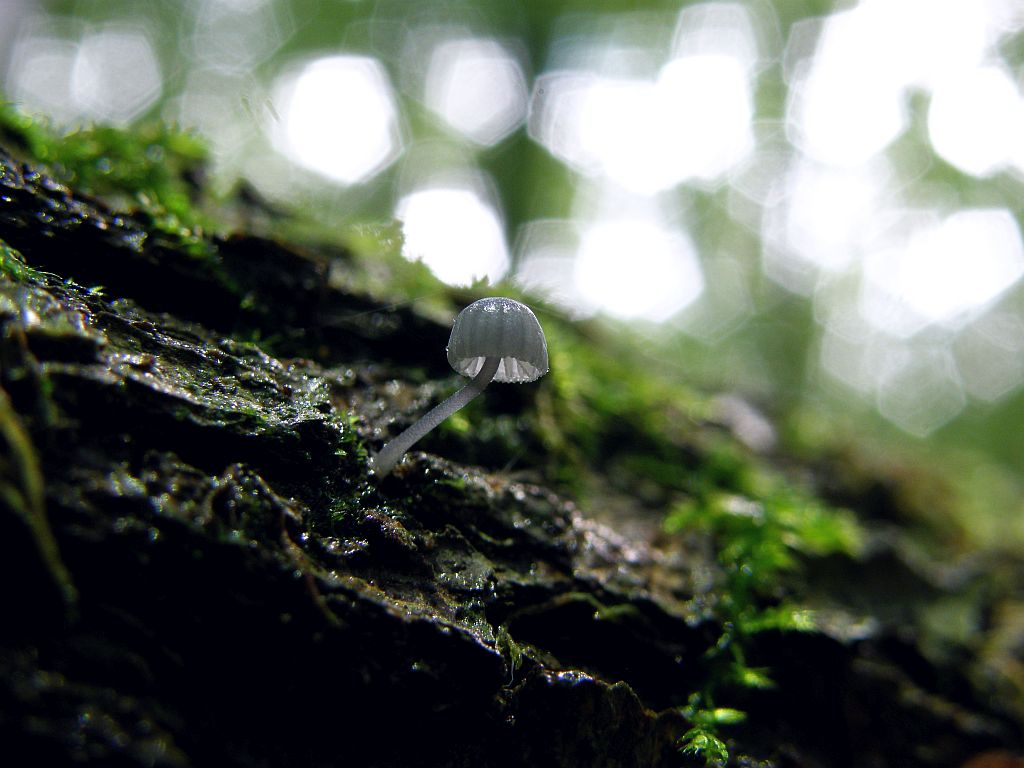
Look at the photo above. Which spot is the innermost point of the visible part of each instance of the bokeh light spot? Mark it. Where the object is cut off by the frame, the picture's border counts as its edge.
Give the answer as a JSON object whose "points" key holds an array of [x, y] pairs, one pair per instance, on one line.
{"points": [[845, 104], [455, 233], [692, 121], [708, 110], [976, 121], [990, 355], [827, 216], [920, 392], [110, 75], [721, 28], [40, 77], [637, 268], [338, 118], [477, 87], [944, 272], [116, 76], [234, 36], [545, 261]]}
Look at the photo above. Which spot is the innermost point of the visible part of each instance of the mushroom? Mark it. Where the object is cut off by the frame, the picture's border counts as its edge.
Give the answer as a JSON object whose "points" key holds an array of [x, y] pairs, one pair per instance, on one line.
{"points": [[493, 339]]}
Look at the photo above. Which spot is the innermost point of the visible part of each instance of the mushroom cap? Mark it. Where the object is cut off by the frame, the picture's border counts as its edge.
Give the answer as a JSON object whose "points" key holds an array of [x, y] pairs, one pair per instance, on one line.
{"points": [[499, 327]]}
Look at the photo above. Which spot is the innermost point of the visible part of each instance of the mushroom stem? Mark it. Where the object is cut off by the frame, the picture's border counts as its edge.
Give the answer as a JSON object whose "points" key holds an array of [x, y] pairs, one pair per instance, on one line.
{"points": [[393, 452]]}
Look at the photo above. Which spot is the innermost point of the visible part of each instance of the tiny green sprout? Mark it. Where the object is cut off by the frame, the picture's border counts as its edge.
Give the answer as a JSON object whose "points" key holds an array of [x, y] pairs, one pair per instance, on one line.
{"points": [[510, 649], [701, 742], [702, 739], [493, 339]]}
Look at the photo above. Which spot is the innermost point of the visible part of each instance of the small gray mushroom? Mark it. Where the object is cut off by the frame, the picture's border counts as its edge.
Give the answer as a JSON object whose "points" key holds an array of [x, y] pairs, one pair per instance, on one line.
{"points": [[493, 339]]}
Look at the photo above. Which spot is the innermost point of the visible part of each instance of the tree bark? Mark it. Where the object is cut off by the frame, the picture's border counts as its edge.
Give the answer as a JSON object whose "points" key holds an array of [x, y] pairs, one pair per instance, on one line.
{"points": [[198, 569]]}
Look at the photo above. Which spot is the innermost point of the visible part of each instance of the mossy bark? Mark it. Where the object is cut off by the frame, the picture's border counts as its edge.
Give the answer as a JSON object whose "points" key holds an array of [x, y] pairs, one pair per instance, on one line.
{"points": [[212, 577]]}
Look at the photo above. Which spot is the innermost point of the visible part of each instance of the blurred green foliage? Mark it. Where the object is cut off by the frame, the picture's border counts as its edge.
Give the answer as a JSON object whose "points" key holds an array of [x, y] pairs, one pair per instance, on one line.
{"points": [[774, 350]]}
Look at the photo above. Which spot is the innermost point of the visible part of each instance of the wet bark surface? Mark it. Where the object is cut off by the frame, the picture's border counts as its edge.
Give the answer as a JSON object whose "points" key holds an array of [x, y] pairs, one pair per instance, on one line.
{"points": [[198, 569]]}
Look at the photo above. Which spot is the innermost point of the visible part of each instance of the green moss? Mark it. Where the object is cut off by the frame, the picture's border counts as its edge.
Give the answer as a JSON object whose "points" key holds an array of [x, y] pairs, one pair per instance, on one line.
{"points": [[13, 266], [702, 740], [760, 536], [703, 743], [152, 170], [370, 264], [605, 402], [153, 164]]}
